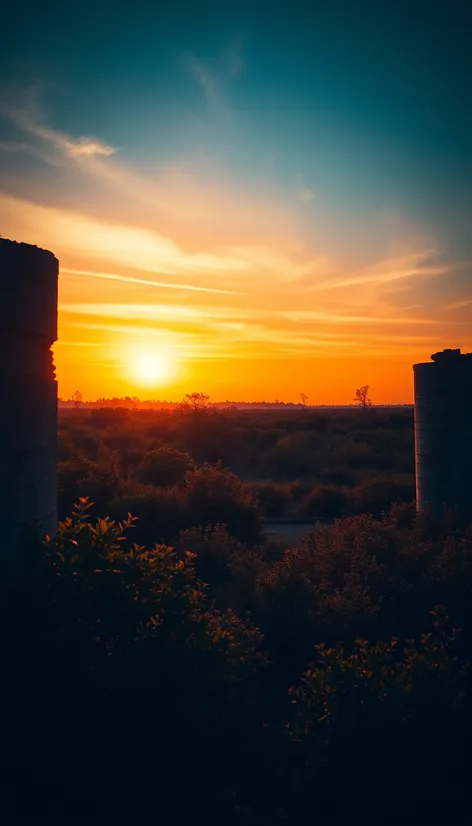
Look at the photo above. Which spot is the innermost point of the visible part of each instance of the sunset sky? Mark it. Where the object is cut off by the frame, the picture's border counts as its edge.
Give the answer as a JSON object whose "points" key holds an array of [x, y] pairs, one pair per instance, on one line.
{"points": [[249, 199]]}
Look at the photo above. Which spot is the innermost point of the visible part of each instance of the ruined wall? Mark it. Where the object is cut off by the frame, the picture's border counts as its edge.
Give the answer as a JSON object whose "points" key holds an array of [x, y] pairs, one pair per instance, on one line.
{"points": [[28, 399], [443, 431]]}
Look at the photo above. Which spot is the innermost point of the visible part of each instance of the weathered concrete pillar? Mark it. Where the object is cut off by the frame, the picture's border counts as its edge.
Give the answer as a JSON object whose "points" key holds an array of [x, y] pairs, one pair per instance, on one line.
{"points": [[28, 403], [443, 431]]}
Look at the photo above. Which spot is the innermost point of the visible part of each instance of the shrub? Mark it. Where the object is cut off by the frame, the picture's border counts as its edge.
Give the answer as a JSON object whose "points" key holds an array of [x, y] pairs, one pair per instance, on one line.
{"points": [[291, 457], [324, 502], [299, 489], [104, 417], [316, 591], [116, 661], [66, 448], [367, 712], [381, 683], [272, 499], [164, 467], [217, 496], [214, 550], [161, 512], [82, 477], [377, 495]]}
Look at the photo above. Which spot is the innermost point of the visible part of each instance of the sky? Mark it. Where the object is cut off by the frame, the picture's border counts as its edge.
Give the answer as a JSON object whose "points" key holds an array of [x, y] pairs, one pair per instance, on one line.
{"points": [[251, 200]]}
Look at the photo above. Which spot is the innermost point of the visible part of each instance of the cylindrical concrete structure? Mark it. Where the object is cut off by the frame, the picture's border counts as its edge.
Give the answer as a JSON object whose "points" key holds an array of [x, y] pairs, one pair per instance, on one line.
{"points": [[28, 408], [443, 432]]}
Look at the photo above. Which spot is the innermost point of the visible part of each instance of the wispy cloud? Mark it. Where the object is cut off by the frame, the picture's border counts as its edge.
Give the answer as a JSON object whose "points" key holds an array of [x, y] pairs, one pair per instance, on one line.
{"points": [[89, 147], [172, 197], [128, 279], [28, 117], [213, 75], [234, 59], [71, 233], [29, 149], [459, 305], [203, 333], [390, 270], [81, 147], [211, 86], [303, 193], [207, 81], [136, 311], [14, 146], [297, 320], [130, 246]]}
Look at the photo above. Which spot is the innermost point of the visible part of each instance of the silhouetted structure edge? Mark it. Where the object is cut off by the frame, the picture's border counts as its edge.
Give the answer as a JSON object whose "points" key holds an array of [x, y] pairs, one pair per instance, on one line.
{"points": [[443, 431], [28, 411]]}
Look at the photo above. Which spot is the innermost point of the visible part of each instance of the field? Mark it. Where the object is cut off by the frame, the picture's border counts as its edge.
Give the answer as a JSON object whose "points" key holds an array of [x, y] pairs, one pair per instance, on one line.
{"points": [[261, 621], [297, 465]]}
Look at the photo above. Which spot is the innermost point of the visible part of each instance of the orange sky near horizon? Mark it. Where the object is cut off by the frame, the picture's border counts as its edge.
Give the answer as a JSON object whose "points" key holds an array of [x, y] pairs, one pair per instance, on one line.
{"points": [[240, 345], [239, 321]]}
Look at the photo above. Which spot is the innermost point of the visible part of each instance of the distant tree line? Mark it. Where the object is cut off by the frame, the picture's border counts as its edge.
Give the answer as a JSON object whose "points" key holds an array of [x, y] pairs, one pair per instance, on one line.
{"points": [[362, 399]]}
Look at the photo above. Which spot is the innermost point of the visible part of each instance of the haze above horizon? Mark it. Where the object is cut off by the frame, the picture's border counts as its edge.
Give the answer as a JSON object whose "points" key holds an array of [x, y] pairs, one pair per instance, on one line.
{"points": [[247, 199]]}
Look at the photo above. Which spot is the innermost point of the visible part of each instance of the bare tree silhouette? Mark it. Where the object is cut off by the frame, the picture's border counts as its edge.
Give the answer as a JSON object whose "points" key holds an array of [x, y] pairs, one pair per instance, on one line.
{"points": [[195, 403], [362, 397]]}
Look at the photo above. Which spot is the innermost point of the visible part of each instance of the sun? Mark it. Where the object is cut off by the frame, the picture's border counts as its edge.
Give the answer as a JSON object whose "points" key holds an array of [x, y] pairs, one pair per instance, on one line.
{"points": [[151, 367]]}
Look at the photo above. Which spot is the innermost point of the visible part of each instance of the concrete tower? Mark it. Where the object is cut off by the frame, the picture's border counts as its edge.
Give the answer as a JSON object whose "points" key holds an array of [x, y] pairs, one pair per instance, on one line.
{"points": [[28, 403], [443, 431]]}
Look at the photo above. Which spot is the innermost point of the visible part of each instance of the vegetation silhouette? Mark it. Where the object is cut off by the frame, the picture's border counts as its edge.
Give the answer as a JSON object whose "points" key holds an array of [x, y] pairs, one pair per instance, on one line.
{"points": [[121, 662], [185, 658], [362, 397]]}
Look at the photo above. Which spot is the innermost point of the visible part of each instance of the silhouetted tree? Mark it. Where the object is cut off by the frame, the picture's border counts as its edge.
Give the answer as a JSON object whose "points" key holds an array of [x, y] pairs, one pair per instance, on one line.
{"points": [[303, 399], [362, 397], [77, 398], [195, 403]]}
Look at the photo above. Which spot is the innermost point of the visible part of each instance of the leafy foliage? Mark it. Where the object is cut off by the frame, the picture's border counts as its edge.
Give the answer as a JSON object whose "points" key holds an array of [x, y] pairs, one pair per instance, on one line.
{"points": [[215, 495], [125, 633], [164, 467], [386, 711], [117, 659], [82, 477]]}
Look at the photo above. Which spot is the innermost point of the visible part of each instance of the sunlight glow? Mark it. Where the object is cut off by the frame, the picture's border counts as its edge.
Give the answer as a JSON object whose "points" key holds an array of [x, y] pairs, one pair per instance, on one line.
{"points": [[151, 366]]}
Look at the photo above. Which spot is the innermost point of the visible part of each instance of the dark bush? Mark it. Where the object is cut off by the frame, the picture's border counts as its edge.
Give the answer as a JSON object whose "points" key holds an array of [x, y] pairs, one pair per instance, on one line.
{"points": [[324, 502], [273, 499], [164, 467], [377, 495], [161, 512], [117, 662], [299, 489], [214, 549], [291, 457], [82, 477], [217, 496], [367, 712]]}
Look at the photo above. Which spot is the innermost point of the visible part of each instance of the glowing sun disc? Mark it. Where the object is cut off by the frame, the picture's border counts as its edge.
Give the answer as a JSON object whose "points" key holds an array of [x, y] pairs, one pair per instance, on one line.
{"points": [[151, 367]]}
